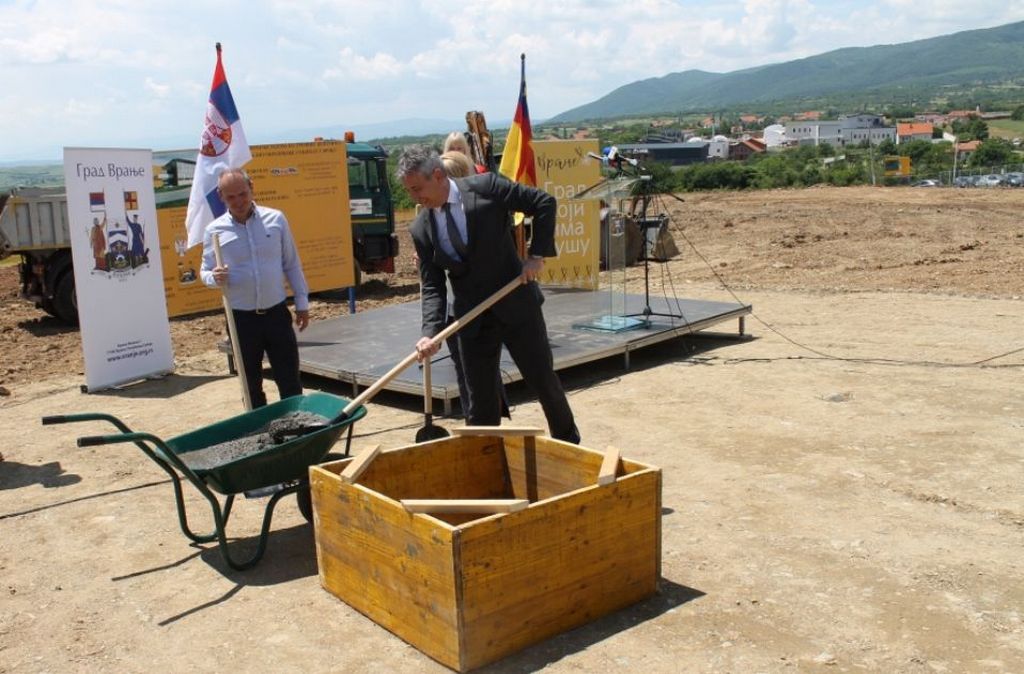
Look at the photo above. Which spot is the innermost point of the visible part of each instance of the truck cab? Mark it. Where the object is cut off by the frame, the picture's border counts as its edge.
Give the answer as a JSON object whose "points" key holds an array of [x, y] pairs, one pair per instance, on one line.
{"points": [[372, 208]]}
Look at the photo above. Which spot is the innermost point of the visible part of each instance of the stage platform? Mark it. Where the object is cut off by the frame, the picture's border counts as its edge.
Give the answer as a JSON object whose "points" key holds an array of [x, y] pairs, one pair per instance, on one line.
{"points": [[361, 347]]}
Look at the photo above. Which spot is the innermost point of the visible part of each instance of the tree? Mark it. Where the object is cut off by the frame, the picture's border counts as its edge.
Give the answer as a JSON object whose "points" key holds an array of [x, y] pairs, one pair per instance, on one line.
{"points": [[992, 152], [719, 175], [901, 112], [1018, 113], [634, 133], [663, 180], [915, 149], [972, 128], [887, 146]]}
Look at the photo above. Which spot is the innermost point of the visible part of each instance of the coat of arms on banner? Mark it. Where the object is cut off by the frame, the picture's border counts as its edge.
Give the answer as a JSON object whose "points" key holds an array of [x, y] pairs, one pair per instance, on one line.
{"points": [[118, 243]]}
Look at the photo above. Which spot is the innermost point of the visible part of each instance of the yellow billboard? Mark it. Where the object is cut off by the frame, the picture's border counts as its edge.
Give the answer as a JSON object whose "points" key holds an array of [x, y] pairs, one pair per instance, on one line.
{"points": [[564, 169], [896, 166], [308, 182]]}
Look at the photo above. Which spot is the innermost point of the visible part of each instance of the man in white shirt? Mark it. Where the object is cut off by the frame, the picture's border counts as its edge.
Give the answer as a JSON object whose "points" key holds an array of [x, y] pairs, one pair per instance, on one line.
{"points": [[258, 253]]}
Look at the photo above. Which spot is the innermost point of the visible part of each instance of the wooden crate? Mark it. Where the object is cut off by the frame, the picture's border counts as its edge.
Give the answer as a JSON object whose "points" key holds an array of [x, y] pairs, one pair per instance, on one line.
{"points": [[470, 589]]}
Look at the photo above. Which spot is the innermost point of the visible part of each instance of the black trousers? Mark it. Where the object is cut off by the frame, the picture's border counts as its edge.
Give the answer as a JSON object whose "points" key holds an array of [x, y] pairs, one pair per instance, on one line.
{"points": [[527, 342], [460, 378], [269, 332]]}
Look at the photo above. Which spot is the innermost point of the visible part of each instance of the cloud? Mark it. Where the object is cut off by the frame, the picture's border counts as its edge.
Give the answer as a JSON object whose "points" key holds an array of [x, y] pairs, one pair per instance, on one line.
{"points": [[353, 66], [79, 109], [158, 90], [129, 67]]}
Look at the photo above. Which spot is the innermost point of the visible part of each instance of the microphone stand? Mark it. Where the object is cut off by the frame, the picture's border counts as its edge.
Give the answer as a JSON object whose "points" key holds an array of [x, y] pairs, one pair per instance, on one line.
{"points": [[645, 194]]}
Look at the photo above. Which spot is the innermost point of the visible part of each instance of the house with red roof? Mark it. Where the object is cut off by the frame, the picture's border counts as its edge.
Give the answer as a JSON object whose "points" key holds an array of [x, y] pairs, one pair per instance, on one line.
{"points": [[908, 131]]}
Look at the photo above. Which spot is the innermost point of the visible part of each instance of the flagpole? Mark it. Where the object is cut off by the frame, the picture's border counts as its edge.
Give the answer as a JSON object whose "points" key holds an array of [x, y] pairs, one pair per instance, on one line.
{"points": [[521, 227]]}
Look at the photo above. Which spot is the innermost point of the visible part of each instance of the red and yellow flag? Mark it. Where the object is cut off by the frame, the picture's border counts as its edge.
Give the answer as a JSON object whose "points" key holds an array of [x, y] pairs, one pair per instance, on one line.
{"points": [[517, 162]]}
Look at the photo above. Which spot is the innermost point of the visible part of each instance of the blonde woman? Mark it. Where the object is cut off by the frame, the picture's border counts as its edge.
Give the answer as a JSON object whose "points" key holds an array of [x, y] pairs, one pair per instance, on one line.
{"points": [[457, 164], [456, 142]]}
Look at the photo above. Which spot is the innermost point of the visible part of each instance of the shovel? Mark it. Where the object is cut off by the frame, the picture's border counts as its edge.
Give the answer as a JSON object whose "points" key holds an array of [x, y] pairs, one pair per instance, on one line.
{"points": [[375, 388], [429, 430]]}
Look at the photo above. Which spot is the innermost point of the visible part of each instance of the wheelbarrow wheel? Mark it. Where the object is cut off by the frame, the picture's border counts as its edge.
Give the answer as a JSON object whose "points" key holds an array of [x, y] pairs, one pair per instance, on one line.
{"points": [[303, 495]]}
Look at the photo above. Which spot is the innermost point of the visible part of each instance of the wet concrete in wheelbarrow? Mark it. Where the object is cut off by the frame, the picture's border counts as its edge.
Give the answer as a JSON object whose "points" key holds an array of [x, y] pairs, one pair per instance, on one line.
{"points": [[260, 440]]}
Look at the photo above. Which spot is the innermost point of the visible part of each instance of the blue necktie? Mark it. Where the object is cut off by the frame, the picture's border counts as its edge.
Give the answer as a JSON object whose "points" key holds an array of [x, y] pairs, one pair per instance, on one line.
{"points": [[453, 233]]}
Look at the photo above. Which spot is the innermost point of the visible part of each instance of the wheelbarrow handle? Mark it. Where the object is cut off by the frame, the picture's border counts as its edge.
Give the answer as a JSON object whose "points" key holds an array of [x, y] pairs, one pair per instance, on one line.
{"points": [[51, 419], [96, 440], [87, 416]]}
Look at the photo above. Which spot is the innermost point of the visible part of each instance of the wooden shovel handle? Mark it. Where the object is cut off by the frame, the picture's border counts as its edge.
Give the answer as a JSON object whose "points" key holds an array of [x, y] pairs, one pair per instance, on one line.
{"points": [[455, 326], [428, 391], [236, 352]]}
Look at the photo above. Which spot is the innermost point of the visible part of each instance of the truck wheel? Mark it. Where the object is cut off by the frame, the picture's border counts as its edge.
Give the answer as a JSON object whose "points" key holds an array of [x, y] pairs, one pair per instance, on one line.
{"points": [[65, 302]]}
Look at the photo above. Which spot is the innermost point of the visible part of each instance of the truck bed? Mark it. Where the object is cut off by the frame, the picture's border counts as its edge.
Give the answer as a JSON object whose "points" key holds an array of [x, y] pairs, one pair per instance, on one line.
{"points": [[34, 219]]}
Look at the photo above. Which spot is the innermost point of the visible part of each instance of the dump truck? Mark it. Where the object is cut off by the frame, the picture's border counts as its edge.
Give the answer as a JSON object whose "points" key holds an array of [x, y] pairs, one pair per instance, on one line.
{"points": [[34, 225]]}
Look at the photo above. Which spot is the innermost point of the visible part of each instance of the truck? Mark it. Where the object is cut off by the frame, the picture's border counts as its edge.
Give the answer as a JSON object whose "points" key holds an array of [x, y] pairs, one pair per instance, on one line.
{"points": [[372, 206], [34, 224]]}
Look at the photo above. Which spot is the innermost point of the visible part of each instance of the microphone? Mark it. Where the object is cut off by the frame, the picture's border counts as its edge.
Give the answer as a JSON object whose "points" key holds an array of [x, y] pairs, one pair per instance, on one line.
{"points": [[615, 156]]}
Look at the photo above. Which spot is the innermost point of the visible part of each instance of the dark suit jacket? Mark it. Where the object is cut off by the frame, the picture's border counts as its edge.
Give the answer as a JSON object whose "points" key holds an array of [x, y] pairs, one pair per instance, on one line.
{"points": [[489, 201]]}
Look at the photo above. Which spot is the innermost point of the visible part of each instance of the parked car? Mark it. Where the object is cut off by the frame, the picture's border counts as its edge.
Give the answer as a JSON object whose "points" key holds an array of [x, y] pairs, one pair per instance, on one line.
{"points": [[991, 180], [963, 181], [927, 183], [1014, 179]]}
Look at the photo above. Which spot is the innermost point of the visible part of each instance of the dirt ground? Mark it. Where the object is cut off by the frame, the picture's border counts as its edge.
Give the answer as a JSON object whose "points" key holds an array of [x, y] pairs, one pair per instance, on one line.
{"points": [[841, 493]]}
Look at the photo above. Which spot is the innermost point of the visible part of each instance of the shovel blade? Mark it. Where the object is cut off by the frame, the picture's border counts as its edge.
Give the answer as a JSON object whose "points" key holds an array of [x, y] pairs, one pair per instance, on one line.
{"points": [[431, 432]]}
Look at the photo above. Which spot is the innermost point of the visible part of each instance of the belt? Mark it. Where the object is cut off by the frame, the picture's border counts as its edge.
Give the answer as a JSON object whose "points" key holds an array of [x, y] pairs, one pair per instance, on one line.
{"points": [[258, 312]]}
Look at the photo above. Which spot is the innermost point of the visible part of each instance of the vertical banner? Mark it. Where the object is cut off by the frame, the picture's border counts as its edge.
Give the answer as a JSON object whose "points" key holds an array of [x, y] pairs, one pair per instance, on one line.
{"points": [[308, 182], [118, 277], [564, 170]]}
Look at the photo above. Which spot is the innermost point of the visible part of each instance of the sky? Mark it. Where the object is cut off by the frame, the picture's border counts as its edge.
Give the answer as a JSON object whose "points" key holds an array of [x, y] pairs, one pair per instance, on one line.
{"points": [[134, 73]]}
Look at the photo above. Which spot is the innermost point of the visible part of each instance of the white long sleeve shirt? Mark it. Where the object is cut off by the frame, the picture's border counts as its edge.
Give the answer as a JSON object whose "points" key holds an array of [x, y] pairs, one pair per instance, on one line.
{"points": [[259, 253]]}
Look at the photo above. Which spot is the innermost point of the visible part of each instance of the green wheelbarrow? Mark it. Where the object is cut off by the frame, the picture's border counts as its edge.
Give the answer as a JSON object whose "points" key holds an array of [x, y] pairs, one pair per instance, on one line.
{"points": [[281, 467]]}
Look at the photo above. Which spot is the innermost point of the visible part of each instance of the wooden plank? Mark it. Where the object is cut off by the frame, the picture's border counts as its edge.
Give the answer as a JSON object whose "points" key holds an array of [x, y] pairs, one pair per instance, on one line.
{"points": [[359, 464], [469, 467], [498, 431], [532, 574], [551, 467], [465, 505], [540, 468], [392, 566], [609, 467]]}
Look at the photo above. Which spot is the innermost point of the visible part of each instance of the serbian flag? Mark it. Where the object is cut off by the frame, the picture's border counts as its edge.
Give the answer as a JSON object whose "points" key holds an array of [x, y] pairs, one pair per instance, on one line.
{"points": [[517, 163], [222, 146]]}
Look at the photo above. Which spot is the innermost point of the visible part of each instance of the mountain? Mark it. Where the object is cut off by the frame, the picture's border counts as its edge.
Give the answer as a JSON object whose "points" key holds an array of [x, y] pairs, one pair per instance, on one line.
{"points": [[370, 131], [985, 56]]}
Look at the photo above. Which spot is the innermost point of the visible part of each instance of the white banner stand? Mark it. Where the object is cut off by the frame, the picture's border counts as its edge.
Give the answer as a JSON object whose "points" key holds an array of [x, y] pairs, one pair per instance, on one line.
{"points": [[119, 281]]}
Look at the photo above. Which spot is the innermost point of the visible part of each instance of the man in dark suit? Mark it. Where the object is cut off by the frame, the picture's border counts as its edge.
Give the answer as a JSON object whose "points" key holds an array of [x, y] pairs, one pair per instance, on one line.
{"points": [[464, 231]]}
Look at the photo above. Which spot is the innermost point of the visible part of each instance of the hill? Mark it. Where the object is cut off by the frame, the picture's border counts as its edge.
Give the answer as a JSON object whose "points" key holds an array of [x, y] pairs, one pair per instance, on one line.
{"points": [[906, 72]]}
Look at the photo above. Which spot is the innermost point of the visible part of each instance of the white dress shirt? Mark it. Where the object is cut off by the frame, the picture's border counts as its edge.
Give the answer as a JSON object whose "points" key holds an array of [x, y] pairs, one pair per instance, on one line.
{"points": [[259, 253]]}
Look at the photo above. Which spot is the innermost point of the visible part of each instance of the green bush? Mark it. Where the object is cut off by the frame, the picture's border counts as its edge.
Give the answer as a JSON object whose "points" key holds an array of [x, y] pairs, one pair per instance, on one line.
{"points": [[716, 176]]}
